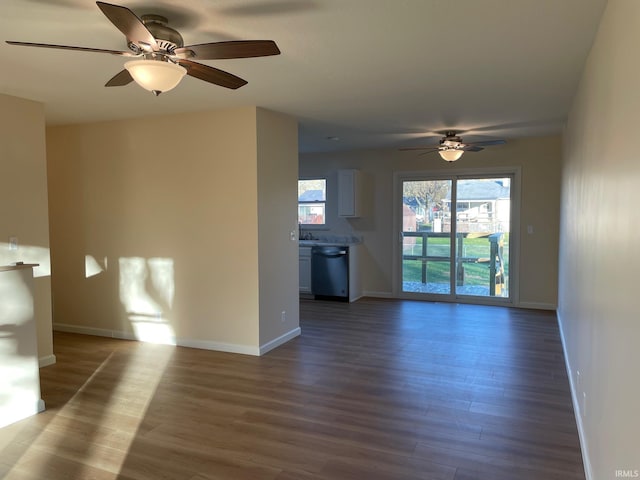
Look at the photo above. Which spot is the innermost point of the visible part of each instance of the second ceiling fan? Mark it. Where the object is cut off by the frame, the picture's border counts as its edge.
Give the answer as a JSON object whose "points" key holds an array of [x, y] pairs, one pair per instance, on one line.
{"points": [[451, 146], [162, 58]]}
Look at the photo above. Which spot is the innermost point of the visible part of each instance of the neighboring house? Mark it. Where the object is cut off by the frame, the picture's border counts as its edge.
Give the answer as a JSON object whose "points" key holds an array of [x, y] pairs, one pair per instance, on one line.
{"points": [[311, 196], [409, 224], [313, 212], [409, 219], [418, 210], [481, 206]]}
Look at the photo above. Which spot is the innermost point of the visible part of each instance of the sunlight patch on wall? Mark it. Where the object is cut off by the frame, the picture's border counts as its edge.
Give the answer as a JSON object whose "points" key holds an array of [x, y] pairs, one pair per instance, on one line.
{"points": [[147, 289], [162, 278], [92, 267]]}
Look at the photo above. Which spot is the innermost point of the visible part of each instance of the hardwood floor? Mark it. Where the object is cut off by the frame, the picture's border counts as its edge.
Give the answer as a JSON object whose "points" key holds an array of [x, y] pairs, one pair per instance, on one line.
{"points": [[377, 389]]}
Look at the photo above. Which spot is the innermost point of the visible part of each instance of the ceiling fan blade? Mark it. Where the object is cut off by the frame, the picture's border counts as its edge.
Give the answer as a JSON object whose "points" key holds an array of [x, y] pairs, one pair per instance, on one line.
{"points": [[212, 75], [69, 47], [231, 49], [432, 147], [487, 143], [429, 151], [128, 23], [471, 148], [120, 79]]}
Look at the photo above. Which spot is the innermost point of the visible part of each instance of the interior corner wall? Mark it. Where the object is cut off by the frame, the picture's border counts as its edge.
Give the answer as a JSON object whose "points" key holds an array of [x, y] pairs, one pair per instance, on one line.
{"points": [[539, 162], [599, 304], [277, 220], [23, 204], [154, 228]]}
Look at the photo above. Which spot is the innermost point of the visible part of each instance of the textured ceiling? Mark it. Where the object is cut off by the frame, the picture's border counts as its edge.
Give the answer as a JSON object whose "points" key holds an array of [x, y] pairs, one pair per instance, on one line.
{"points": [[375, 73]]}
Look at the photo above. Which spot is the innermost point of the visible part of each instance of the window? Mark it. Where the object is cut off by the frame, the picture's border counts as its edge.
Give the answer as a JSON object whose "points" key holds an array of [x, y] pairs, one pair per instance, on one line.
{"points": [[312, 198]]}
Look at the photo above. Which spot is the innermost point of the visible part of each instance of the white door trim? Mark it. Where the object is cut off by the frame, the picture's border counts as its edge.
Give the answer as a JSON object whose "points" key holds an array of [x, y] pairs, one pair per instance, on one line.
{"points": [[514, 237]]}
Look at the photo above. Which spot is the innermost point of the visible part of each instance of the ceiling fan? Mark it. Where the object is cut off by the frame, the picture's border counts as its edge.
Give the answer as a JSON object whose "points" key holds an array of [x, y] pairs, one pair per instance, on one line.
{"points": [[162, 60], [451, 146]]}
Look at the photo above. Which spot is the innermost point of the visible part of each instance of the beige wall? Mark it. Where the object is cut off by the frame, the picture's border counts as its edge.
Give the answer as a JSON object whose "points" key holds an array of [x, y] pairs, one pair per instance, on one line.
{"points": [[539, 162], [154, 228], [23, 204], [599, 263], [277, 219]]}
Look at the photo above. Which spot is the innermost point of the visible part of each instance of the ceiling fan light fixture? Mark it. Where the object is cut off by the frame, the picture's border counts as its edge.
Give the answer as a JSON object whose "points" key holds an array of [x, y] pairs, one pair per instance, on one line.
{"points": [[155, 75], [450, 154]]}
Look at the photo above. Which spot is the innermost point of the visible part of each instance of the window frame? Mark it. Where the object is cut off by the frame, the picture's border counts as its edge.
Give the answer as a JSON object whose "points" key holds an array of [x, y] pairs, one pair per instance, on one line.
{"points": [[314, 226]]}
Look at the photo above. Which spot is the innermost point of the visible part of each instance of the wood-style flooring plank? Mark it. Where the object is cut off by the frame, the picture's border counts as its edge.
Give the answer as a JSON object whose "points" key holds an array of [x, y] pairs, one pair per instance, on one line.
{"points": [[377, 389]]}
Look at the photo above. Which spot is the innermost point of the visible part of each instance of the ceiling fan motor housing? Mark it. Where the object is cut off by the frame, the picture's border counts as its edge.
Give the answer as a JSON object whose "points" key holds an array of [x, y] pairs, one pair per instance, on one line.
{"points": [[451, 140], [167, 38]]}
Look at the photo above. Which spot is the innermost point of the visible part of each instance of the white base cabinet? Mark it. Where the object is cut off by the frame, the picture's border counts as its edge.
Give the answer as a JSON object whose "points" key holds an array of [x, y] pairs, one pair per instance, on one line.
{"points": [[355, 279], [304, 260]]}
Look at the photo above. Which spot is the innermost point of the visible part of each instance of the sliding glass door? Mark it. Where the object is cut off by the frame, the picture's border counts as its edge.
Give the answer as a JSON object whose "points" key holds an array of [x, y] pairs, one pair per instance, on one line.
{"points": [[426, 243], [455, 236]]}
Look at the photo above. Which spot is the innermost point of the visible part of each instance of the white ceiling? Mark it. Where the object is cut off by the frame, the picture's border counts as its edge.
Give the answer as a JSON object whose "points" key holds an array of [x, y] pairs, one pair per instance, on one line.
{"points": [[375, 73]]}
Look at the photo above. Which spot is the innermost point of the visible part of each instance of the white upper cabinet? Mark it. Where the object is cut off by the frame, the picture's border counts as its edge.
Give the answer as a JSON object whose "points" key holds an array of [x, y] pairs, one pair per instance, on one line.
{"points": [[349, 193]]}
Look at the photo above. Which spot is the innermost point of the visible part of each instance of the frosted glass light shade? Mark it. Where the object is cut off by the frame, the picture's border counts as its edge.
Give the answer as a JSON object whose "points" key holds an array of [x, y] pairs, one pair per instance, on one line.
{"points": [[154, 75], [451, 154]]}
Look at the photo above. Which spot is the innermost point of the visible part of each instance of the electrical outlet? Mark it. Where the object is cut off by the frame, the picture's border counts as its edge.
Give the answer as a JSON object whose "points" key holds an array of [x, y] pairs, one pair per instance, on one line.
{"points": [[13, 243], [284, 316]]}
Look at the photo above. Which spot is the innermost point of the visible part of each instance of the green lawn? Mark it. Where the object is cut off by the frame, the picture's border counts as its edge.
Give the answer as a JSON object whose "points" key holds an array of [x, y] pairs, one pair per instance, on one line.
{"points": [[438, 271]]}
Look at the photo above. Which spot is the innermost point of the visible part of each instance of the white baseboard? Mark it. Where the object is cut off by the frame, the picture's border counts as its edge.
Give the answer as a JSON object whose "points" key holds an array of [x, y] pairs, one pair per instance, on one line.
{"points": [[219, 346], [98, 332], [537, 305], [183, 342], [576, 405], [46, 361], [276, 342], [378, 294]]}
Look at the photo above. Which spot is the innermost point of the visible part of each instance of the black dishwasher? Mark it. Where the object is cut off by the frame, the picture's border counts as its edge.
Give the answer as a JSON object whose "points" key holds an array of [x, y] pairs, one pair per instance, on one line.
{"points": [[330, 272]]}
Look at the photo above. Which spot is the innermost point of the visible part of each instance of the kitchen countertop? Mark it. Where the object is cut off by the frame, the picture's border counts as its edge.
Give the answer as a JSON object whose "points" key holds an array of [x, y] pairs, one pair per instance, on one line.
{"points": [[321, 243], [17, 266]]}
